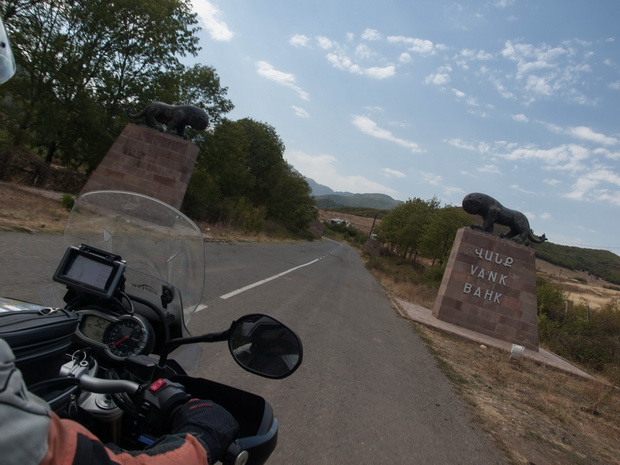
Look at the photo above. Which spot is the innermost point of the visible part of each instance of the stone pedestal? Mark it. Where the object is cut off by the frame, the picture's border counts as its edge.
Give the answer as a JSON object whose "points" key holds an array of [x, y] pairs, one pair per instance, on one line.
{"points": [[146, 161], [489, 286]]}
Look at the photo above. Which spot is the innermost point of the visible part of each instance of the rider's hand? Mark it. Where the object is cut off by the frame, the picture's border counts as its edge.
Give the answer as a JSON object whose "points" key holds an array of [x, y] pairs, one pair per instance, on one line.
{"points": [[213, 425]]}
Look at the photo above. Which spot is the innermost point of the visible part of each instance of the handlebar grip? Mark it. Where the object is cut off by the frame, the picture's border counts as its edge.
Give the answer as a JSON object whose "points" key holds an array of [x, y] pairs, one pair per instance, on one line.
{"points": [[108, 386], [235, 455], [98, 385]]}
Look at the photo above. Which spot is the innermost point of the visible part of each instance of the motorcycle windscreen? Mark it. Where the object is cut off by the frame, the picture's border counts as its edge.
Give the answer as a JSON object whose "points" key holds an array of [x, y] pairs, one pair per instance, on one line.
{"points": [[151, 236]]}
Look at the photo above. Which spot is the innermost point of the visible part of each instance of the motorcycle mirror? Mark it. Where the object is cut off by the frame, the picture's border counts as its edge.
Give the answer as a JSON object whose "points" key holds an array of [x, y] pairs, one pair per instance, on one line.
{"points": [[264, 346]]}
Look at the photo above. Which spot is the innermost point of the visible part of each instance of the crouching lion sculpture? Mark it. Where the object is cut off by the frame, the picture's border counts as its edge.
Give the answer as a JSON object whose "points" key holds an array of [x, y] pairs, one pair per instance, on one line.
{"points": [[493, 212], [175, 117]]}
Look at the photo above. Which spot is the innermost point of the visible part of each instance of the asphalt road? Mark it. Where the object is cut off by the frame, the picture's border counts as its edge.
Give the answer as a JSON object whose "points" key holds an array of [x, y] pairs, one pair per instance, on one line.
{"points": [[368, 391]]}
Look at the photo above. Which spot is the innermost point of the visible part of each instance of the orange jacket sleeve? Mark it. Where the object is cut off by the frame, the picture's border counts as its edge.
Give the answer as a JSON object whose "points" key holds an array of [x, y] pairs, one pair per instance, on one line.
{"points": [[69, 443]]}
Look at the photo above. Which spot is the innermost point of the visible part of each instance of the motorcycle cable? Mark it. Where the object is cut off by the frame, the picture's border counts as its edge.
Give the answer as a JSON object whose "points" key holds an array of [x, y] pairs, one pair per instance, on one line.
{"points": [[160, 315]]}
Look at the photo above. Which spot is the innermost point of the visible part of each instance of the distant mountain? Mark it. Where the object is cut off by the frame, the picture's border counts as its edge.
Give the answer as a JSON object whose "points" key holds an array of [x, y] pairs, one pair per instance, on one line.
{"points": [[318, 189], [378, 201], [326, 198]]}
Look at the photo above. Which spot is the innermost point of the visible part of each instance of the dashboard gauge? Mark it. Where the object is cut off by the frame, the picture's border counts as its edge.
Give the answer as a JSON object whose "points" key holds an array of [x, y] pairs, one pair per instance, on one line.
{"points": [[127, 336], [94, 327]]}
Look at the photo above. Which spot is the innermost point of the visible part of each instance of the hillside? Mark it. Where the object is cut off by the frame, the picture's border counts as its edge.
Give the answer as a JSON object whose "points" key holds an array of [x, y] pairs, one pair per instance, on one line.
{"points": [[377, 201], [601, 263], [327, 198]]}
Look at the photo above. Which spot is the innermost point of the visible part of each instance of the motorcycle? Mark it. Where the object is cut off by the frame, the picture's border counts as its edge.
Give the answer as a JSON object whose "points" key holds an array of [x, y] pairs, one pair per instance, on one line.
{"points": [[133, 276]]}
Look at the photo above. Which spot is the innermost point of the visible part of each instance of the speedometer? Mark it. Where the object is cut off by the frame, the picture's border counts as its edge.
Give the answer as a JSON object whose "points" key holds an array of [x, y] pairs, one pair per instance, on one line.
{"points": [[126, 337]]}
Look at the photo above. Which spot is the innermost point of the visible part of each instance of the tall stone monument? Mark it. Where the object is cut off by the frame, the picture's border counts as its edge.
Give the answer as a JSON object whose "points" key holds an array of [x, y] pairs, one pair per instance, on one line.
{"points": [[149, 162], [489, 286]]}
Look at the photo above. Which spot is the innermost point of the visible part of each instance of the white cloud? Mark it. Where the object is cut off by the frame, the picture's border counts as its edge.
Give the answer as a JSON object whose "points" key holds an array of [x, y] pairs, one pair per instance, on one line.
{"points": [[479, 55], [341, 61], [439, 78], [521, 118], [209, 15], [404, 58], [285, 79], [489, 169], [544, 71], [416, 45], [522, 190], [583, 132], [371, 34], [481, 147], [364, 52], [299, 111], [432, 178], [569, 157], [368, 126], [390, 173], [588, 187], [344, 63], [299, 40], [437, 180], [380, 72], [323, 169], [324, 43]]}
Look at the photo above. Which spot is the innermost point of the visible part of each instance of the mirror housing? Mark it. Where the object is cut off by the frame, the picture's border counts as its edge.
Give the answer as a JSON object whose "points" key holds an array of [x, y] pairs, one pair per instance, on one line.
{"points": [[264, 346]]}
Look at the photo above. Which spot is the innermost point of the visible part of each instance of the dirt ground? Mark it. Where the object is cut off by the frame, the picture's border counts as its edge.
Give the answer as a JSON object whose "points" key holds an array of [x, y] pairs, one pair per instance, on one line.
{"points": [[358, 222], [579, 284], [30, 210], [537, 415]]}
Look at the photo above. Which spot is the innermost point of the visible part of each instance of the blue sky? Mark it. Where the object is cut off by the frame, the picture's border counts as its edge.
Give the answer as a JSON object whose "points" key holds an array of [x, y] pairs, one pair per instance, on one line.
{"points": [[518, 99]]}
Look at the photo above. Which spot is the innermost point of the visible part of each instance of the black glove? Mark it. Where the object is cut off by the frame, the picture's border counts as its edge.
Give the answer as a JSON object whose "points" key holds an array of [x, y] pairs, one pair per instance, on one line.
{"points": [[211, 423]]}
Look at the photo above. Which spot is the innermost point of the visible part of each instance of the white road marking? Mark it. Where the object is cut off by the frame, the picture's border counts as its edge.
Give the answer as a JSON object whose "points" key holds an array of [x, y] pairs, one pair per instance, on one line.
{"points": [[263, 281]]}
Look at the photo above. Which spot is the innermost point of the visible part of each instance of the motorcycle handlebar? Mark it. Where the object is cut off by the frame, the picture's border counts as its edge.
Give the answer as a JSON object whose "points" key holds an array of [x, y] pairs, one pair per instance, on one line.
{"points": [[99, 385]]}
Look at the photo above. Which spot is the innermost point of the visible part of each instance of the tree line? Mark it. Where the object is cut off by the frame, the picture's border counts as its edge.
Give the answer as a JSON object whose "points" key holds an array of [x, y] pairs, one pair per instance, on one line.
{"points": [[422, 227], [81, 64]]}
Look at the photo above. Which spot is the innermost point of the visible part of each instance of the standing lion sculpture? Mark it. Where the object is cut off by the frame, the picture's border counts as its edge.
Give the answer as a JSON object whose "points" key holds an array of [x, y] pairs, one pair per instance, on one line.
{"points": [[493, 212], [175, 117]]}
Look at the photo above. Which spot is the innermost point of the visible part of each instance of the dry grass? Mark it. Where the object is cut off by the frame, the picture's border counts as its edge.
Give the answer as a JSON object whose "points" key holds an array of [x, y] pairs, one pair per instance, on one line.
{"points": [[579, 285], [538, 415]]}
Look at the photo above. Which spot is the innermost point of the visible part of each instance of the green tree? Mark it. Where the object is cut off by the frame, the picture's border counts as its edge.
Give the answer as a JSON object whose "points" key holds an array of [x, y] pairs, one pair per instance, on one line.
{"points": [[224, 154], [438, 237], [244, 160], [82, 62], [291, 200], [265, 157], [404, 226]]}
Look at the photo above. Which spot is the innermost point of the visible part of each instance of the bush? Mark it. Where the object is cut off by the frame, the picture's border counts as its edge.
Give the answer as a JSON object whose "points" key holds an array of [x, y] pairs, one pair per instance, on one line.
{"points": [[248, 217], [434, 275], [552, 300], [590, 337], [67, 201], [345, 232]]}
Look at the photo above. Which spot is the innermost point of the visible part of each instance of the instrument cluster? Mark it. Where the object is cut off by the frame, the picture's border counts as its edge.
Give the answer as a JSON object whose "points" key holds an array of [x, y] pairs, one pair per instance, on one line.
{"points": [[119, 336]]}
